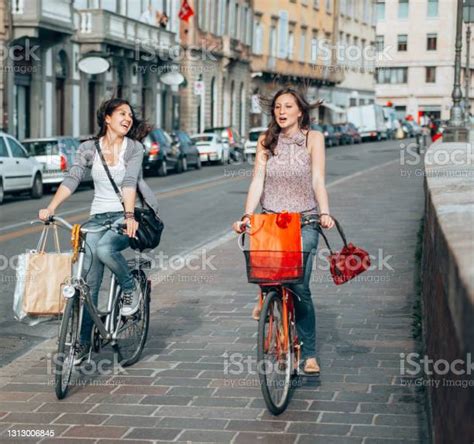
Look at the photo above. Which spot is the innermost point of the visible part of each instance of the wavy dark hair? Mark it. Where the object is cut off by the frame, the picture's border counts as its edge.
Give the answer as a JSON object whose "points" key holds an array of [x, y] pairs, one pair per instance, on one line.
{"points": [[268, 104], [139, 129]]}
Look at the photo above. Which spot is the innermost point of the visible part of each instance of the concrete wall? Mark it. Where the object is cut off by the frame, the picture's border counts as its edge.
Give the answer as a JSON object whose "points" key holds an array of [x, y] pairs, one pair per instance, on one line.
{"points": [[448, 287]]}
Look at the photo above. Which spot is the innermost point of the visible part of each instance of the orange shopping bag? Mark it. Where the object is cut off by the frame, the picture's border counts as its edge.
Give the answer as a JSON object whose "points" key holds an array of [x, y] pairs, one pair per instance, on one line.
{"points": [[275, 248]]}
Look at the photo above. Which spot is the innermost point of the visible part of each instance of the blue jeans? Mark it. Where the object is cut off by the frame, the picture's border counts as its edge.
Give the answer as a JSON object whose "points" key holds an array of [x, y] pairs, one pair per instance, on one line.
{"points": [[304, 308], [104, 249]]}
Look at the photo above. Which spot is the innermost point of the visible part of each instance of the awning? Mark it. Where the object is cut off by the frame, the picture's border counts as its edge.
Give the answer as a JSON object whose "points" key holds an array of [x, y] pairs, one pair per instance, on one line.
{"points": [[334, 108]]}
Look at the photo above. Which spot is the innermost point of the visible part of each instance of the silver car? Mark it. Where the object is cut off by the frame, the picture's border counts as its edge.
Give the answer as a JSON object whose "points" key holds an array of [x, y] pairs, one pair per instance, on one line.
{"points": [[18, 171]]}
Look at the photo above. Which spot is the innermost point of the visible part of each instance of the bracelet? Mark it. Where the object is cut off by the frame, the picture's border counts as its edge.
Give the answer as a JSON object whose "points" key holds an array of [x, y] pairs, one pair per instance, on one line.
{"points": [[129, 215], [324, 214], [244, 216]]}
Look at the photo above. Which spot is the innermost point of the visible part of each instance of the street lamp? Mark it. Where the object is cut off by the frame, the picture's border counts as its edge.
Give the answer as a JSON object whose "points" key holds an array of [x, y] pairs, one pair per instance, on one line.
{"points": [[468, 17], [456, 131]]}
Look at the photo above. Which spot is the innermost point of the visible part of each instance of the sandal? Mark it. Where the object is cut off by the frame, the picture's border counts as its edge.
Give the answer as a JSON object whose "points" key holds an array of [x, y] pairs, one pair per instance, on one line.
{"points": [[311, 367]]}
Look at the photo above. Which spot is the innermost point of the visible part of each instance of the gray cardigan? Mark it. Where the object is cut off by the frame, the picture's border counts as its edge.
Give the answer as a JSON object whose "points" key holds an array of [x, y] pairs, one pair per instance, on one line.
{"points": [[133, 158]]}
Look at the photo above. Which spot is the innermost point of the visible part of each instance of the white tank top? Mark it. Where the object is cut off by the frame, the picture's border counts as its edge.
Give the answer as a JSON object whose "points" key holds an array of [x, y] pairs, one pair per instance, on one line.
{"points": [[105, 199]]}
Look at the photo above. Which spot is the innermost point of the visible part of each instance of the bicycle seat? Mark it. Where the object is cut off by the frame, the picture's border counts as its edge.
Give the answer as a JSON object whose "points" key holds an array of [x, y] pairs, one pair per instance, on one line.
{"points": [[139, 263]]}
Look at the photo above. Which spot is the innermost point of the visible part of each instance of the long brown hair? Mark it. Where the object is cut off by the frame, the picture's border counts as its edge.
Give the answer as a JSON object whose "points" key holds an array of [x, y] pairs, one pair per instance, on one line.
{"points": [[271, 135], [139, 129]]}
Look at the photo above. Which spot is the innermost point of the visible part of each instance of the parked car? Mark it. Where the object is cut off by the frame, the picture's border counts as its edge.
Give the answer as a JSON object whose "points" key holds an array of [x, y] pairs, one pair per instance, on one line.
{"points": [[211, 148], [344, 137], [18, 170], [351, 133], [161, 155], [189, 152], [230, 137], [56, 155], [408, 128], [331, 137], [250, 146]]}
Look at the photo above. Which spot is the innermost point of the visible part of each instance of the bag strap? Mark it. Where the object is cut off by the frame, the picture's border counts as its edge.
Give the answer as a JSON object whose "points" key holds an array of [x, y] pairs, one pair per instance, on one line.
{"points": [[339, 229], [107, 171], [44, 238]]}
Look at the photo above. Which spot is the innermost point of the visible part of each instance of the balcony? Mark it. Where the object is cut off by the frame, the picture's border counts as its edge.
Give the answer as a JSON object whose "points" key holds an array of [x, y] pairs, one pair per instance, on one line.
{"points": [[98, 27], [32, 17]]}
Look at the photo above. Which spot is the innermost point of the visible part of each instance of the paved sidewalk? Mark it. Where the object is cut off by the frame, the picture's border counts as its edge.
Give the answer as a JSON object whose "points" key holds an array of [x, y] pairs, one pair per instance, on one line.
{"points": [[180, 392]]}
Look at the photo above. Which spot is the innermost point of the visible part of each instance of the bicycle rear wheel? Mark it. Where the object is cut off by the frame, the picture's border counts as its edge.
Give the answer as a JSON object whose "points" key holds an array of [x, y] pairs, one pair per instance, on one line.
{"points": [[132, 331], [274, 355], [67, 345]]}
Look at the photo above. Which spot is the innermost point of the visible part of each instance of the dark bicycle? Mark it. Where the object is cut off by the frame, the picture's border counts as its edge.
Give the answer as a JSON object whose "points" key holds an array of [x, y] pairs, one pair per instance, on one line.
{"points": [[126, 334]]}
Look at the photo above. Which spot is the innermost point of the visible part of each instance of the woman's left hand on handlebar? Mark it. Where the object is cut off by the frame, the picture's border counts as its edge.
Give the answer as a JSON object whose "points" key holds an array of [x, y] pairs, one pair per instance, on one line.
{"points": [[327, 221], [132, 227]]}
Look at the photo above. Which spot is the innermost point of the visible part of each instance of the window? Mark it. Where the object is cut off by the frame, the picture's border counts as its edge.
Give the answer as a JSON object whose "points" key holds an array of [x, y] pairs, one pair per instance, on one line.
{"points": [[430, 74], [16, 149], [392, 75], [402, 9], [291, 44], [432, 42], [343, 7], [365, 12], [433, 8], [3, 148], [402, 42], [316, 4], [302, 45], [380, 9], [379, 43], [352, 101], [258, 38], [328, 6], [273, 41], [314, 47]]}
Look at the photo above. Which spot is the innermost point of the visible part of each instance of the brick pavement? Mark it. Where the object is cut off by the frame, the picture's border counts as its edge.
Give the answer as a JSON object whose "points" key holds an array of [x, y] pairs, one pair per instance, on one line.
{"points": [[201, 322]]}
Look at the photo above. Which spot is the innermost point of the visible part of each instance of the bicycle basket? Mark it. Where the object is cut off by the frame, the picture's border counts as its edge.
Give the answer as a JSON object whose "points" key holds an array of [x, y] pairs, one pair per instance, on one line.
{"points": [[275, 266]]}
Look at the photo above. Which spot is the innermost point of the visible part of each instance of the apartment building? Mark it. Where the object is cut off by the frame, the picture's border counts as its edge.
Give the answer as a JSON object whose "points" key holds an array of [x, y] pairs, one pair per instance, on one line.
{"points": [[217, 41], [415, 40], [293, 44], [48, 94], [355, 53]]}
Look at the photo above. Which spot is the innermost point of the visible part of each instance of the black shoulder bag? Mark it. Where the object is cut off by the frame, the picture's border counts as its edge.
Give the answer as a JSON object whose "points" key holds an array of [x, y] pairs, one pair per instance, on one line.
{"points": [[150, 226]]}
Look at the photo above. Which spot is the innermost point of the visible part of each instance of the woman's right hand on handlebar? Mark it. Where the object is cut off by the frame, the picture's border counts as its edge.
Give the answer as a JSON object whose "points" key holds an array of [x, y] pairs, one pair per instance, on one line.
{"points": [[45, 214]]}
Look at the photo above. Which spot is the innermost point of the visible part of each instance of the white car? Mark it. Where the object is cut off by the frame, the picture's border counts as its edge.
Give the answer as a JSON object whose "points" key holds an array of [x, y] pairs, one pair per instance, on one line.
{"points": [[18, 171], [211, 148], [250, 146], [56, 154]]}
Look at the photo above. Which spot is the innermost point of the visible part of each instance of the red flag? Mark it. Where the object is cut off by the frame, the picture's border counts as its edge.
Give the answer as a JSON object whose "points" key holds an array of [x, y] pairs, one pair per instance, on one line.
{"points": [[186, 11]]}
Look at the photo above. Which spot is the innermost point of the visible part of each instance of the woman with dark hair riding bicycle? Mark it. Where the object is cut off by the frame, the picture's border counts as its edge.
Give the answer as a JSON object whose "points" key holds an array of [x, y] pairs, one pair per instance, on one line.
{"points": [[289, 176], [119, 137]]}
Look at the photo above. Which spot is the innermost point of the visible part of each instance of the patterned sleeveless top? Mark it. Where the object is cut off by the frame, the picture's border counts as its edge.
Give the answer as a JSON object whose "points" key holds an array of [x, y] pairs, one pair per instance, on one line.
{"points": [[288, 178]]}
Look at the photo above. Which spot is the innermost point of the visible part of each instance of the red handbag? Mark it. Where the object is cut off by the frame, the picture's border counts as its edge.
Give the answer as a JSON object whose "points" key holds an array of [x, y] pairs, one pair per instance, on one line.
{"points": [[347, 263]]}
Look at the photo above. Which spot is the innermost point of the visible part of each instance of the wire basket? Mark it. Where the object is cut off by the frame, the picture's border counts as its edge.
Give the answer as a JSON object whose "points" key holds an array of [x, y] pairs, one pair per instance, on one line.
{"points": [[275, 266]]}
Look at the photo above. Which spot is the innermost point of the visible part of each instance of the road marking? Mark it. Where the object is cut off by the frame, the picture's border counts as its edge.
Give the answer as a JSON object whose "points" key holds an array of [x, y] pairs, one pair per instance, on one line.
{"points": [[163, 195]]}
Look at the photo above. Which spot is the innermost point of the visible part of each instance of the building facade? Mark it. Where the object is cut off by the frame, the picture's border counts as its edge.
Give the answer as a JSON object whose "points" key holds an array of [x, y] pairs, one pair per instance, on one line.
{"points": [[355, 53], [216, 68], [292, 45], [47, 93], [416, 45]]}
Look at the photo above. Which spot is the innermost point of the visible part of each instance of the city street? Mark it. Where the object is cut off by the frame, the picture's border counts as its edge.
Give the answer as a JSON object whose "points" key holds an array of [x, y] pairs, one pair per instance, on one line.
{"points": [[197, 208], [196, 381]]}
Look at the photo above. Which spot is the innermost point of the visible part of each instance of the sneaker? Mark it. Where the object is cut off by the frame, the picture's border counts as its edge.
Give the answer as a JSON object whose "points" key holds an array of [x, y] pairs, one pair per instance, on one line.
{"points": [[82, 353], [130, 303]]}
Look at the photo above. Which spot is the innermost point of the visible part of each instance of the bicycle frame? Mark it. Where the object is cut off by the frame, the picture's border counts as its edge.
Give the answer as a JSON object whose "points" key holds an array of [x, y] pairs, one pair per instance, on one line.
{"points": [[78, 283]]}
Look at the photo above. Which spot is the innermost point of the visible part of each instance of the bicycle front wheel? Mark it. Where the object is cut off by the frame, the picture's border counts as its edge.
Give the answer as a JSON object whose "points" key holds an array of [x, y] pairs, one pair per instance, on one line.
{"points": [[67, 345], [274, 355], [131, 331]]}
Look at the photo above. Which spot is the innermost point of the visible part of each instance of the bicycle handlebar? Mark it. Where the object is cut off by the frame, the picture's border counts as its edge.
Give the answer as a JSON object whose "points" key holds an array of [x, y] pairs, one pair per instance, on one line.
{"points": [[53, 219]]}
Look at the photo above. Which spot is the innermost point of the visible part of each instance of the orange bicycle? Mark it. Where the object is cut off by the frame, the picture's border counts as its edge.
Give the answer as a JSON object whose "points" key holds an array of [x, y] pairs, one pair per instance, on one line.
{"points": [[278, 346]]}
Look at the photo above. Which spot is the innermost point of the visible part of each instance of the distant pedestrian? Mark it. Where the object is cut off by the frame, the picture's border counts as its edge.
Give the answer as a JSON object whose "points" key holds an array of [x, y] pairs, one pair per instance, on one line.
{"points": [[289, 175]]}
